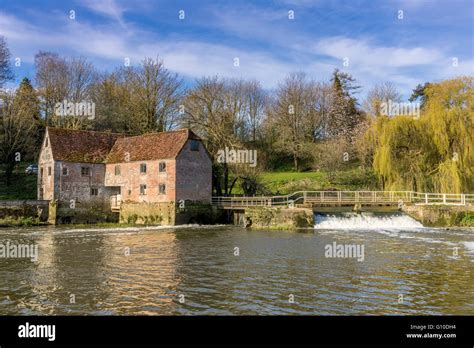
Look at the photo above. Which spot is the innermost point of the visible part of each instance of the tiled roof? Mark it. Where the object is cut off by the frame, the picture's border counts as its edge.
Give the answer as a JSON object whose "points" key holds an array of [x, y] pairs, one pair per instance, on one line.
{"points": [[150, 146], [81, 146]]}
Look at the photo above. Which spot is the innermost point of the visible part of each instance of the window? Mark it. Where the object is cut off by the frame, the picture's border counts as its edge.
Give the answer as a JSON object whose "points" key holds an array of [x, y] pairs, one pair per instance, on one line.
{"points": [[162, 189], [46, 143], [194, 145], [117, 170], [162, 167], [41, 172], [143, 168], [65, 171], [85, 171], [129, 192], [94, 192], [143, 189], [49, 171]]}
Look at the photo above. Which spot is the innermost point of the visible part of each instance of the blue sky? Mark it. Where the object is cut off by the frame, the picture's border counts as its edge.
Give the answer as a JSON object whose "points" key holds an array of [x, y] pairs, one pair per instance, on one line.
{"points": [[377, 45]]}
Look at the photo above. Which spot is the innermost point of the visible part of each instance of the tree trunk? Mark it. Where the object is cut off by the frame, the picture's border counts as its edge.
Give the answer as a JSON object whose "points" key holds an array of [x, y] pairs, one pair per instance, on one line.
{"points": [[295, 161]]}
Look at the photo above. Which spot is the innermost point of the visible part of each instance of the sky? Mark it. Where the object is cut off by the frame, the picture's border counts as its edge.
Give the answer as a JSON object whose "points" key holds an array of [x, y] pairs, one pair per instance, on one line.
{"points": [[406, 42]]}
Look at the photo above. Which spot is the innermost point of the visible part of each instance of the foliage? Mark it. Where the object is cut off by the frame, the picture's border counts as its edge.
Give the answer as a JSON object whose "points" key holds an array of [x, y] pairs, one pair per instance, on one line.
{"points": [[467, 220], [434, 152]]}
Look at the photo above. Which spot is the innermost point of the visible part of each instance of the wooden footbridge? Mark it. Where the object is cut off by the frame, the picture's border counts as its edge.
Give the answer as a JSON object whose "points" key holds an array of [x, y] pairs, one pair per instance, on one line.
{"points": [[344, 198]]}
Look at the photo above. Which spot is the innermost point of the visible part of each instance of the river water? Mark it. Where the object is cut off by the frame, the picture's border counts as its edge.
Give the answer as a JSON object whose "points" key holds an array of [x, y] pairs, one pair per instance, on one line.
{"points": [[228, 270]]}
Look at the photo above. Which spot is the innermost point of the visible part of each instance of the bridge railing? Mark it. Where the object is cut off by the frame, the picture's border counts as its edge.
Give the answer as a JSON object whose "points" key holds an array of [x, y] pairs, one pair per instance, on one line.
{"points": [[334, 197]]}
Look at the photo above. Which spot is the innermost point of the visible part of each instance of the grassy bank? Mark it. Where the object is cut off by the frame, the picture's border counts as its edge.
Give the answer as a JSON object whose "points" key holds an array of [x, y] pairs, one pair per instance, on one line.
{"points": [[289, 182]]}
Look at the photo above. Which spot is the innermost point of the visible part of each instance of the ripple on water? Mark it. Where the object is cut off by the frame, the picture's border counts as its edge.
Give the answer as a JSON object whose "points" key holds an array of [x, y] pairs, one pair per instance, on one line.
{"points": [[199, 264]]}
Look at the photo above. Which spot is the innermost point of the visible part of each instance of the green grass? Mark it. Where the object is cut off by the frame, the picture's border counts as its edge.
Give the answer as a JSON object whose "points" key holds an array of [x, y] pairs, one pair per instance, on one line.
{"points": [[22, 186], [289, 182], [9, 221]]}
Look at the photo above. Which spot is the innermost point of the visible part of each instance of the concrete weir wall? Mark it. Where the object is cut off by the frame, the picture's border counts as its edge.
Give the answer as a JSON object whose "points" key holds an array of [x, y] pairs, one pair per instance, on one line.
{"points": [[439, 215], [278, 217], [169, 213]]}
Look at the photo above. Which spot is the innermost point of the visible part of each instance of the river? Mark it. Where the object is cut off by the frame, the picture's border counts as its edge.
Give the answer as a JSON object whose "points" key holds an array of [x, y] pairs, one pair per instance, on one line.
{"points": [[228, 270]]}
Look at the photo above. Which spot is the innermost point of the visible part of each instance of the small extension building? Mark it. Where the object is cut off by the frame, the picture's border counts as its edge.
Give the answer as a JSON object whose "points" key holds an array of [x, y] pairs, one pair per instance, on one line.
{"points": [[91, 176]]}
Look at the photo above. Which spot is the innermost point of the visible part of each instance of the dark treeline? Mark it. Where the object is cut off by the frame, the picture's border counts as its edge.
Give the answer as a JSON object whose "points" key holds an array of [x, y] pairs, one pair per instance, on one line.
{"points": [[301, 125]]}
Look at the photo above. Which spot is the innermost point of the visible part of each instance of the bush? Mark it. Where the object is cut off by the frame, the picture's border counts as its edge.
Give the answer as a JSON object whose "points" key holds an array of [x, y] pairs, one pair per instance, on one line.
{"points": [[468, 220]]}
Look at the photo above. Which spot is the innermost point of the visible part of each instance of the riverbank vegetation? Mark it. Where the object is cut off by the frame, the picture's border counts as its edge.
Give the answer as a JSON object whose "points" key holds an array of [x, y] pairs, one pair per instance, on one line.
{"points": [[307, 134], [10, 221]]}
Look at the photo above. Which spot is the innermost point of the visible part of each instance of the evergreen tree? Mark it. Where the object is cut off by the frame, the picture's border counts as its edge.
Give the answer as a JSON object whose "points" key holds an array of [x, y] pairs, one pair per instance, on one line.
{"points": [[343, 113], [6, 73]]}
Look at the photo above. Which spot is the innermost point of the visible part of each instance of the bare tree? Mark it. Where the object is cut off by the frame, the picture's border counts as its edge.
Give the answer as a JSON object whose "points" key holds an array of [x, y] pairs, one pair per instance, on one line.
{"points": [[226, 113], [293, 113], [17, 129], [156, 94], [81, 78], [379, 94], [256, 101], [52, 81]]}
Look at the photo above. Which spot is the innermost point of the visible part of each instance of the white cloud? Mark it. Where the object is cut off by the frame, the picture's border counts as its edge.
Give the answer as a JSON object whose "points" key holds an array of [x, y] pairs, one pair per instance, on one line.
{"points": [[108, 45], [361, 52], [108, 8]]}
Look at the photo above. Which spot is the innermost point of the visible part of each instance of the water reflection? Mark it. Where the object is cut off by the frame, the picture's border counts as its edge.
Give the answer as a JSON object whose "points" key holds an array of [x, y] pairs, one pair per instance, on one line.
{"points": [[136, 272]]}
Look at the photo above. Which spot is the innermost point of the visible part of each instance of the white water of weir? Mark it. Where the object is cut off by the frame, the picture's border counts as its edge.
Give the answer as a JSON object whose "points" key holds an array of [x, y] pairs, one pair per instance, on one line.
{"points": [[365, 221]]}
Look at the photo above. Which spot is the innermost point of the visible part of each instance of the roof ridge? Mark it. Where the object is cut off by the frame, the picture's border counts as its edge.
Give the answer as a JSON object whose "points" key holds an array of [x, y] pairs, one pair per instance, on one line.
{"points": [[83, 130], [156, 133]]}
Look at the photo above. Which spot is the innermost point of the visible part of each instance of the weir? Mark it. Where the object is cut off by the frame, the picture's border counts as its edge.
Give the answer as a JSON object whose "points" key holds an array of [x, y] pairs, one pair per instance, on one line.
{"points": [[349, 208], [365, 221]]}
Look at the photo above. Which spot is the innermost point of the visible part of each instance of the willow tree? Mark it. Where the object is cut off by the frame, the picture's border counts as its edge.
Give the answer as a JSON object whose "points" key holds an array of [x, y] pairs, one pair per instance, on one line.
{"points": [[434, 152], [449, 115], [402, 154]]}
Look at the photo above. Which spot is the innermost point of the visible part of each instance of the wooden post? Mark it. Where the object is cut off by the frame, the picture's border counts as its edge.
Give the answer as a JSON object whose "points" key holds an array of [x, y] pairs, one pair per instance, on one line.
{"points": [[339, 196], [463, 199], [444, 198], [426, 198]]}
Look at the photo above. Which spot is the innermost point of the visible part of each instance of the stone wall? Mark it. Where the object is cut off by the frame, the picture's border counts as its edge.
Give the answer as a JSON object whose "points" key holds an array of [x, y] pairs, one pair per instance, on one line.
{"points": [[23, 209], [439, 215], [155, 213], [170, 214], [46, 171], [72, 185], [278, 217], [90, 212]]}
